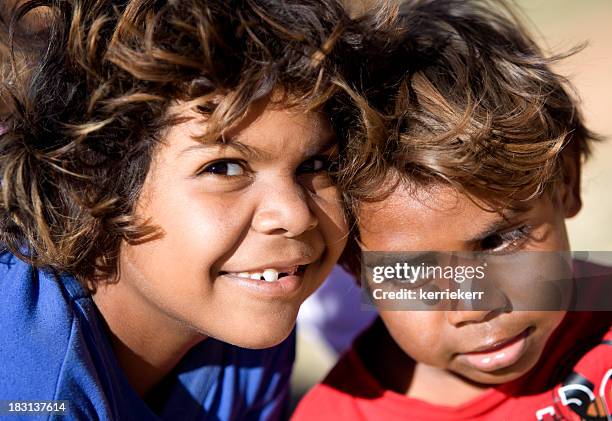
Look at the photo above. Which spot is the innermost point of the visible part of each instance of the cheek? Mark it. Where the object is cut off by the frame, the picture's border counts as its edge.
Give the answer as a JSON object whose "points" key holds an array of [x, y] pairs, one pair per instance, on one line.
{"points": [[328, 208], [420, 334], [546, 321], [332, 227], [196, 231]]}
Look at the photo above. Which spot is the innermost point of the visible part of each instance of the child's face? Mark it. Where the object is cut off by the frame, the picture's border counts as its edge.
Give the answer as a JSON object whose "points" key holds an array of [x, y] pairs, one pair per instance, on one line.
{"points": [[484, 346], [260, 206]]}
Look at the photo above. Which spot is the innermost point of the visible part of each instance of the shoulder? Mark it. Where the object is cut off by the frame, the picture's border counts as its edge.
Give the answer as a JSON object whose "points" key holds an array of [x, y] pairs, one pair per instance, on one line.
{"points": [[38, 324], [596, 363], [338, 396], [54, 347], [43, 335], [580, 347], [585, 389]]}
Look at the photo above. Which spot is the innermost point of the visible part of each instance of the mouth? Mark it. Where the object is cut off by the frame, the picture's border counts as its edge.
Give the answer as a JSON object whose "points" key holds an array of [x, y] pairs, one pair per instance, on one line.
{"points": [[272, 274], [282, 280], [499, 354]]}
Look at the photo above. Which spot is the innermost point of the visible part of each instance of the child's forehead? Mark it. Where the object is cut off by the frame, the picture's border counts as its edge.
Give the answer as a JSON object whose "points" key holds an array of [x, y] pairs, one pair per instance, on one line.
{"points": [[412, 197], [431, 216], [267, 127], [203, 110], [403, 195]]}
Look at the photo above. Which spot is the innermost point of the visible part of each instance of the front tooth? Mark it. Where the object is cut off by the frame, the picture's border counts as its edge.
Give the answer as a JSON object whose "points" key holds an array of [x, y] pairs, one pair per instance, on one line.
{"points": [[270, 275], [256, 275]]}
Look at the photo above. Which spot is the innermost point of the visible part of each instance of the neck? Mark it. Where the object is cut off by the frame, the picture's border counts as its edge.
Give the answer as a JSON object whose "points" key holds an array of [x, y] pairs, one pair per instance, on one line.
{"points": [[395, 370], [148, 344], [441, 387]]}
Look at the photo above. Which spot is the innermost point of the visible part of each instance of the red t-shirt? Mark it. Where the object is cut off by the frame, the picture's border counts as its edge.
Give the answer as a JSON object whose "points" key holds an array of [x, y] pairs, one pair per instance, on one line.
{"points": [[572, 381]]}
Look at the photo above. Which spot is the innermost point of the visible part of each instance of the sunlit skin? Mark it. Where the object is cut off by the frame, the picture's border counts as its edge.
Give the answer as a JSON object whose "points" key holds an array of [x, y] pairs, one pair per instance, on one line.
{"points": [[263, 199], [424, 355]]}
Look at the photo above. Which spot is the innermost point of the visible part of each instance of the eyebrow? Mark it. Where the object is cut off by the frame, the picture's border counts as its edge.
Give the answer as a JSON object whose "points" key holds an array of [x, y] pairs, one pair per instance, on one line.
{"points": [[500, 224], [255, 153], [246, 150]]}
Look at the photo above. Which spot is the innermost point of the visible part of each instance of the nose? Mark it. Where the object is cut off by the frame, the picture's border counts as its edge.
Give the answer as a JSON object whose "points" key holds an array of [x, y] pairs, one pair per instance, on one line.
{"points": [[284, 210], [462, 317], [482, 308], [465, 313]]}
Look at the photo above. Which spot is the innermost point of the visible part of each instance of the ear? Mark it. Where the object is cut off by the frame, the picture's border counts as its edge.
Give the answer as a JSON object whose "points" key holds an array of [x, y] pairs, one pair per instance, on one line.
{"points": [[569, 185]]}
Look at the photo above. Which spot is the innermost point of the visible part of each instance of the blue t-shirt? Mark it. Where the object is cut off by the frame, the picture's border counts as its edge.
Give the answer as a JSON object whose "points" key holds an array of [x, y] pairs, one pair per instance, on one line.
{"points": [[54, 346]]}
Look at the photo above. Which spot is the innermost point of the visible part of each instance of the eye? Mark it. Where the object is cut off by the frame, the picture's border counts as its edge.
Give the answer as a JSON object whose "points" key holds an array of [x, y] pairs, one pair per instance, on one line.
{"points": [[224, 168], [505, 242], [316, 164]]}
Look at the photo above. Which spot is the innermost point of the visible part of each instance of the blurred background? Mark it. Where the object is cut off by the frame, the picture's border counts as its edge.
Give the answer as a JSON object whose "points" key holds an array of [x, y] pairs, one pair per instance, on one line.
{"points": [[558, 25]]}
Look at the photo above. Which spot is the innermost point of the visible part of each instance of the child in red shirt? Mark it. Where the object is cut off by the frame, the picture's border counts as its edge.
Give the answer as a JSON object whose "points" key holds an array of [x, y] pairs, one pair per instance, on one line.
{"points": [[481, 153]]}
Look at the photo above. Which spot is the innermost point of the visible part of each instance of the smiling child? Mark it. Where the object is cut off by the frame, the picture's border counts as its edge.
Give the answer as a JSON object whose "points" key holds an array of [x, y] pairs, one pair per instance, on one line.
{"points": [[166, 201]]}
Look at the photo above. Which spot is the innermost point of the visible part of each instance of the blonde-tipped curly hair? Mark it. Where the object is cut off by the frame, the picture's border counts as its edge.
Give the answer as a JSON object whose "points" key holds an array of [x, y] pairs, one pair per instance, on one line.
{"points": [[83, 121]]}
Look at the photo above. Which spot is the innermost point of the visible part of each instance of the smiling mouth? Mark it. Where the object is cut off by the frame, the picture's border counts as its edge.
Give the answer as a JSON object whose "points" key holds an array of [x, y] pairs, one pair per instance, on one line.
{"points": [[268, 274]]}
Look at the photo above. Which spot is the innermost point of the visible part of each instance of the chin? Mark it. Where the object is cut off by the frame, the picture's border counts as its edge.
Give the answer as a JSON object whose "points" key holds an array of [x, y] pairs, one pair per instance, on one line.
{"points": [[493, 379], [504, 375], [257, 333], [265, 339]]}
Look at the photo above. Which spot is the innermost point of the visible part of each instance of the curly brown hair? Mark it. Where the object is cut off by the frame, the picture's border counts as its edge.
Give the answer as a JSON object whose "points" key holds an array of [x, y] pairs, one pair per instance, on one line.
{"points": [[84, 121], [468, 100]]}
